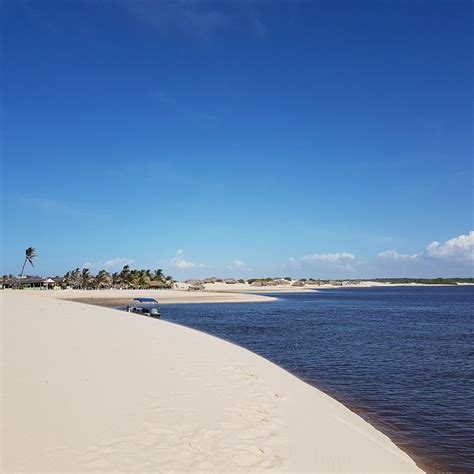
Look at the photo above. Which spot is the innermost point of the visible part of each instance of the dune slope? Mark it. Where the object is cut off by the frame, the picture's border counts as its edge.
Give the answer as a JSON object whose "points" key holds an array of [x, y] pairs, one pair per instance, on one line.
{"points": [[94, 389]]}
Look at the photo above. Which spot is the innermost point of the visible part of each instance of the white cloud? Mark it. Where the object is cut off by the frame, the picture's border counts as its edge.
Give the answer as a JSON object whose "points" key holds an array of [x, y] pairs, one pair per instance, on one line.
{"points": [[238, 263], [115, 264], [112, 265], [460, 249], [179, 262], [393, 255], [454, 257], [339, 257]]}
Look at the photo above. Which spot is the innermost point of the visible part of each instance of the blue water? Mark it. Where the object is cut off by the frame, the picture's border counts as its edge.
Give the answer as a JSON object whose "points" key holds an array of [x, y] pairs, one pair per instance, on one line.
{"points": [[401, 357]]}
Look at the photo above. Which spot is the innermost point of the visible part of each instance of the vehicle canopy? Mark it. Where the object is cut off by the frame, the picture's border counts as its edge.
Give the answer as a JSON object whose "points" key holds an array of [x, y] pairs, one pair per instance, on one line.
{"points": [[146, 300]]}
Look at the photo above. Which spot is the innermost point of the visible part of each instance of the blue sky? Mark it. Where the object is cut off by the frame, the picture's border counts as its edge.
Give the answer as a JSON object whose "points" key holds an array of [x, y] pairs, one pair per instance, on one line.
{"points": [[326, 139]]}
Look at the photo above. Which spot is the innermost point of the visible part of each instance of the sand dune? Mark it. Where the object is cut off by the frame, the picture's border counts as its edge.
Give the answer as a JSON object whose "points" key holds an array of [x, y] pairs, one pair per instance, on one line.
{"points": [[94, 389], [111, 297]]}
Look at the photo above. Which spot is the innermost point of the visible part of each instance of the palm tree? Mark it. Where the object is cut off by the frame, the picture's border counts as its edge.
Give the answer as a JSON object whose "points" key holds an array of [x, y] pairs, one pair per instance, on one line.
{"points": [[125, 276], [158, 276], [115, 279], [103, 279], [67, 279], [143, 279], [85, 278], [169, 281], [76, 278], [132, 279], [29, 256]]}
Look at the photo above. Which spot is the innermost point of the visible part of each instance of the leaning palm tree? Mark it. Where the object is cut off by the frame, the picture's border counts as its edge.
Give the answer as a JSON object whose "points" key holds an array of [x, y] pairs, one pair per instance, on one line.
{"points": [[76, 278], [103, 279], [86, 278], [29, 256], [158, 276], [115, 279], [125, 275], [143, 279]]}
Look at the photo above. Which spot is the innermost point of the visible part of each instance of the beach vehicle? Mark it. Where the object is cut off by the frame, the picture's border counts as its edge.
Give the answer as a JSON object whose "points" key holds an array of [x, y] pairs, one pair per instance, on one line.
{"points": [[146, 306]]}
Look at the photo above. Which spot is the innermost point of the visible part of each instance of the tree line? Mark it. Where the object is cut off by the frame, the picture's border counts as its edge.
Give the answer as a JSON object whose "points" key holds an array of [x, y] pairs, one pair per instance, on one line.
{"points": [[126, 278]]}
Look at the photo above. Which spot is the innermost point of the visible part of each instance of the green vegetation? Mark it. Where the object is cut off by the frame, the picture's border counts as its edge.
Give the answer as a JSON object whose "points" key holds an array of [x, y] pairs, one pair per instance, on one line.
{"points": [[426, 281], [400, 281], [266, 280], [127, 278]]}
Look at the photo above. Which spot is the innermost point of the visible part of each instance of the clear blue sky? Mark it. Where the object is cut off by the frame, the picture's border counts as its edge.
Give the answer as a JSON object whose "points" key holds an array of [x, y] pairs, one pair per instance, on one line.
{"points": [[329, 139]]}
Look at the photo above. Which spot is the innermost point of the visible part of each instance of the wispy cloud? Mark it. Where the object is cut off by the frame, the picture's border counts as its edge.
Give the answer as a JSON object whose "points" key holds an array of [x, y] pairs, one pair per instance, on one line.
{"points": [[163, 98], [178, 261], [198, 19], [326, 262], [236, 263], [111, 265], [192, 18], [57, 207], [393, 255], [329, 257]]}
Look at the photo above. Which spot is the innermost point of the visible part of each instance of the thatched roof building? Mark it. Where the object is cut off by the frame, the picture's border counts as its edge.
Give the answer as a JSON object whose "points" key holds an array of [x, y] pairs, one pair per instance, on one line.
{"points": [[280, 282], [209, 280], [194, 282], [29, 282], [158, 284]]}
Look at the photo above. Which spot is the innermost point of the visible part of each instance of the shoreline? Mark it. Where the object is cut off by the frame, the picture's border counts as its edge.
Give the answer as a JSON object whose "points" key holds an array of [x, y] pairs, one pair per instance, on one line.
{"points": [[197, 402], [107, 297]]}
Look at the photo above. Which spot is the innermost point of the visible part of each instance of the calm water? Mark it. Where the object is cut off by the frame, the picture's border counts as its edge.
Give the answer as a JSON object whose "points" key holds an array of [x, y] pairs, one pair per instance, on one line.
{"points": [[403, 358]]}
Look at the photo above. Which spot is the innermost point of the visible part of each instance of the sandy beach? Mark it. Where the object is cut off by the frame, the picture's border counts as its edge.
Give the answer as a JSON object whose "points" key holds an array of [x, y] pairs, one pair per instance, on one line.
{"points": [[111, 297], [95, 389]]}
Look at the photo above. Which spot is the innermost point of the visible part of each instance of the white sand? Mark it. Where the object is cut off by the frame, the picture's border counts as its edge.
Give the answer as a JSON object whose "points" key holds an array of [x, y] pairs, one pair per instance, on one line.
{"points": [[163, 296], [246, 288], [94, 389]]}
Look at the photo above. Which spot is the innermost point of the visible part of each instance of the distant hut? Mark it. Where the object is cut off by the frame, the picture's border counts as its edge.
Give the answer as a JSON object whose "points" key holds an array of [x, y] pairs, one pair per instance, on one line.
{"points": [[299, 283], [280, 282], [194, 282], [24, 283], [258, 283], [230, 281], [158, 285], [209, 280]]}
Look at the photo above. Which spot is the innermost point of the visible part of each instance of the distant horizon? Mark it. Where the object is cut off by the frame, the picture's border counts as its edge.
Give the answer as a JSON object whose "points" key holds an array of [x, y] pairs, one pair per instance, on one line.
{"points": [[222, 277], [434, 261]]}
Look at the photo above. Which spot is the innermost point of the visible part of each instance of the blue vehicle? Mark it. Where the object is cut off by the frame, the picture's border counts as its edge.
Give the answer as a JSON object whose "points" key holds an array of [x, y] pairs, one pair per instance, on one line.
{"points": [[146, 306]]}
